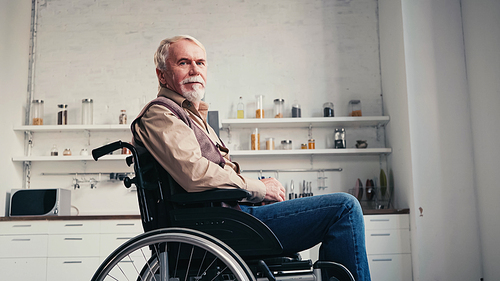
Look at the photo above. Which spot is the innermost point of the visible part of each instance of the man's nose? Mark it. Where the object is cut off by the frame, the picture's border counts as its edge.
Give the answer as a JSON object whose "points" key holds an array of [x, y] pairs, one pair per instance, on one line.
{"points": [[194, 69]]}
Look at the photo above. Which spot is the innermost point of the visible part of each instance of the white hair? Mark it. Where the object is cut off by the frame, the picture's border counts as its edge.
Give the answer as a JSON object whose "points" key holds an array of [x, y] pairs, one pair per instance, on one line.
{"points": [[161, 54]]}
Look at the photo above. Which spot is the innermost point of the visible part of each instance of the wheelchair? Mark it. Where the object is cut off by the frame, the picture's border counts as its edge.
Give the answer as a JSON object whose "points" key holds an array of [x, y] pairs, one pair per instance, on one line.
{"points": [[199, 236]]}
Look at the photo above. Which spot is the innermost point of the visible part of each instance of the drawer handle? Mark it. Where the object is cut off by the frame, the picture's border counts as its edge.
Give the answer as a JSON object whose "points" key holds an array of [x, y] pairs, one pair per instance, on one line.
{"points": [[379, 219], [381, 259], [125, 224], [380, 234], [74, 224], [70, 262], [123, 238], [22, 225], [21, 240], [73, 239]]}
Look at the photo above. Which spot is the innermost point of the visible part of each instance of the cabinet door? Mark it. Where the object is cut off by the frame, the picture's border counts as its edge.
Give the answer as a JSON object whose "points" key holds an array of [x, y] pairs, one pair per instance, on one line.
{"points": [[73, 245], [109, 242], [122, 226], [80, 227], [378, 222], [392, 241], [24, 227], [23, 269], [18, 246], [390, 267], [75, 269]]}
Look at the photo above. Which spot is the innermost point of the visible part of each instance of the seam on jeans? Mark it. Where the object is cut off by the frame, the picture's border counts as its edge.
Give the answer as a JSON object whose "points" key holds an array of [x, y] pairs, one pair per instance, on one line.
{"points": [[355, 241]]}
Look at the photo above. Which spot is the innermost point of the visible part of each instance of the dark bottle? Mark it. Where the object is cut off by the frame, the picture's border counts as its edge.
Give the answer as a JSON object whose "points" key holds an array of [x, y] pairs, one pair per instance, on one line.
{"points": [[328, 109], [62, 115]]}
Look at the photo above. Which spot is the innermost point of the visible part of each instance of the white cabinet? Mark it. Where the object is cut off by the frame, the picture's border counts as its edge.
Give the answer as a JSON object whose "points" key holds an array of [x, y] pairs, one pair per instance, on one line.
{"points": [[388, 247], [23, 245]]}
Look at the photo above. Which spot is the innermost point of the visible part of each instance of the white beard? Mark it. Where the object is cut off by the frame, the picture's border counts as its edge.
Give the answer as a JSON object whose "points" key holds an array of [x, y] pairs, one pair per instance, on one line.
{"points": [[196, 95]]}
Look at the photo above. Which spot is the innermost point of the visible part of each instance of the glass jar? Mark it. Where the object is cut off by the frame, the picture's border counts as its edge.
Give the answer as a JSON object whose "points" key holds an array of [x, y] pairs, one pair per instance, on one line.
{"points": [[54, 151], [286, 144], [259, 105], [340, 141], [328, 109], [296, 110], [37, 112], [311, 144], [87, 111], [255, 140], [270, 144], [67, 152], [123, 117], [355, 108], [303, 146], [240, 113], [84, 152], [278, 108], [62, 115]]}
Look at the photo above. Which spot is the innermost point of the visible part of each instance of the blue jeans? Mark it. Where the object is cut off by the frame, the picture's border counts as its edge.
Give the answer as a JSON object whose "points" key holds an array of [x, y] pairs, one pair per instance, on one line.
{"points": [[335, 220]]}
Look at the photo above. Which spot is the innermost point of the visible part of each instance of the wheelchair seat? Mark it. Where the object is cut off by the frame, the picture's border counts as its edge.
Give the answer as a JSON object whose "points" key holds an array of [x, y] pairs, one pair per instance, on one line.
{"points": [[164, 205]]}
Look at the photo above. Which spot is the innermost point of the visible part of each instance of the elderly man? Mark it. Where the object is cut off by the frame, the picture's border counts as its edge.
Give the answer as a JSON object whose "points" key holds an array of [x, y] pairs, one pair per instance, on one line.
{"points": [[174, 130]]}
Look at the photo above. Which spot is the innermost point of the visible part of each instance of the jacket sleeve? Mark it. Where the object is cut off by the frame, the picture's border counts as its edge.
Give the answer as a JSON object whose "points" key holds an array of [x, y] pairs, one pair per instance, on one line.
{"points": [[175, 147]]}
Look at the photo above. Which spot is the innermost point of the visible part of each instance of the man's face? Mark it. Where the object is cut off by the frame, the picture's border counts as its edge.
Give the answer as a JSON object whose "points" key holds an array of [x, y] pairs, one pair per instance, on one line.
{"points": [[186, 71]]}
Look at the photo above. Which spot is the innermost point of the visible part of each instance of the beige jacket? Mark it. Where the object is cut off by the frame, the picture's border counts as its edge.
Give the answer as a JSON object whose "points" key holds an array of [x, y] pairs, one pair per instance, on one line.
{"points": [[175, 147]]}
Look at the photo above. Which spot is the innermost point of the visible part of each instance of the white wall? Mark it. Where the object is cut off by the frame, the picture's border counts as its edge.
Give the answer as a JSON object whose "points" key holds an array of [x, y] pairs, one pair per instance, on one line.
{"points": [[15, 18], [482, 38], [313, 51]]}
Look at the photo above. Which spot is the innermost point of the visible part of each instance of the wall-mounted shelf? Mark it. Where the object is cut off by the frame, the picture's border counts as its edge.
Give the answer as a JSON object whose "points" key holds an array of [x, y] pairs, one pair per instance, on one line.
{"points": [[67, 158], [295, 152], [70, 128], [370, 121]]}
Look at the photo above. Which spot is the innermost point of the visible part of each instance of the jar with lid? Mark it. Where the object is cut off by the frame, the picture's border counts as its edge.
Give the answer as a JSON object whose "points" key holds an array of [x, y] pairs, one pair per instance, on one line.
{"points": [[340, 141], [328, 109], [259, 105], [123, 117], [67, 152], [37, 112], [62, 115], [278, 108], [303, 146], [255, 140], [87, 111], [311, 144], [355, 108], [296, 112], [240, 109], [54, 151], [286, 144]]}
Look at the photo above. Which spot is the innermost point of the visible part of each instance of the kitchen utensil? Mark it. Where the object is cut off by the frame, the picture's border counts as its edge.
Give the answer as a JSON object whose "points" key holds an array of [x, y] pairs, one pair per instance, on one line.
{"points": [[383, 183], [369, 189]]}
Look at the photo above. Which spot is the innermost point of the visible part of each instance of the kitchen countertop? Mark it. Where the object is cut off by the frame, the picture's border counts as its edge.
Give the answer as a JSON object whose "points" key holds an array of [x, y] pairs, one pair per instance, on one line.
{"points": [[134, 217]]}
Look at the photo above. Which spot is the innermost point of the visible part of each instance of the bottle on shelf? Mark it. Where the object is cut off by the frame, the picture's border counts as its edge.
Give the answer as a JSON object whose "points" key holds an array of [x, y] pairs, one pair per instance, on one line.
{"points": [[123, 117], [296, 112], [37, 112], [255, 140], [62, 115], [278, 108], [259, 104], [240, 109], [87, 111], [54, 151]]}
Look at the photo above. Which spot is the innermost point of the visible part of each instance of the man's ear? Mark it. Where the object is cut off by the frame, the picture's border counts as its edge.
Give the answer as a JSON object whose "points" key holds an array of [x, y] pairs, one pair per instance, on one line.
{"points": [[161, 77]]}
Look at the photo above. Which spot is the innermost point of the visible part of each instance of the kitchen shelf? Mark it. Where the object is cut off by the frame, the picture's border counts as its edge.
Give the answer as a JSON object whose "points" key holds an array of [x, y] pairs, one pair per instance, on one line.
{"points": [[295, 152], [67, 158], [363, 121], [71, 128]]}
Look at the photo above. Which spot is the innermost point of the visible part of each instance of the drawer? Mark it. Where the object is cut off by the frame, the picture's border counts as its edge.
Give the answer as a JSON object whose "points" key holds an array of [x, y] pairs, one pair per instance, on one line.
{"points": [[392, 241], [24, 227], [121, 226], [75, 269], [74, 245], [390, 267], [128, 267], [60, 227], [15, 246], [109, 242], [373, 222], [23, 269]]}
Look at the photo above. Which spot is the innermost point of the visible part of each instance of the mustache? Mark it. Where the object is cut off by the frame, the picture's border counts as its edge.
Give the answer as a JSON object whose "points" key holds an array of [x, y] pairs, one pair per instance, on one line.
{"points": [[193, 79]]}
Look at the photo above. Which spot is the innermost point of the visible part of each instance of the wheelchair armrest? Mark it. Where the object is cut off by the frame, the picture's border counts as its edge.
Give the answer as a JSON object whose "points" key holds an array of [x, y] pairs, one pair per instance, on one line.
{"points": [[213, 195]]}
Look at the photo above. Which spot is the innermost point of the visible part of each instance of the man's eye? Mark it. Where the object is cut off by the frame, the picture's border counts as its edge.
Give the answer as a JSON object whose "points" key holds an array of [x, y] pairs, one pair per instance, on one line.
{"points": [[182, 63], [200, 63]]}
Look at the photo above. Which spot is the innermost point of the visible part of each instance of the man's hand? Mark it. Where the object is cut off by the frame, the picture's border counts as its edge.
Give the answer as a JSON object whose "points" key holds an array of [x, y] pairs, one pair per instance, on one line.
{"points": [[275, 192]]}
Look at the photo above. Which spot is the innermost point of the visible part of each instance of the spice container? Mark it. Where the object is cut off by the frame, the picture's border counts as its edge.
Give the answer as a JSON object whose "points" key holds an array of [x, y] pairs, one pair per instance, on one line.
{"points": [[303, 146], [311, 144], [296, 110], [123, 117], [84, 152], [53, 151], [286, 144], [340, 141], [328, 109], [259, 104], [37, 112], [87, 111], [278, 108], [355, 108], [270, 144], [240, 114], [255, 140], [62, 115], [67, 152]]}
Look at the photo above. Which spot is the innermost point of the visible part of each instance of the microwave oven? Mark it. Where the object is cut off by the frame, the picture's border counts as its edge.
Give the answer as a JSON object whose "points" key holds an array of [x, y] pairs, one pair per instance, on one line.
{"points": [[40, 202]]}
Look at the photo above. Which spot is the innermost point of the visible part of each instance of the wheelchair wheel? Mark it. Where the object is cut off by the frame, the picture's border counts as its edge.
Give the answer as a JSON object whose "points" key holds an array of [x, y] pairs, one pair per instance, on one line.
{"points": [[174, 254]]}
